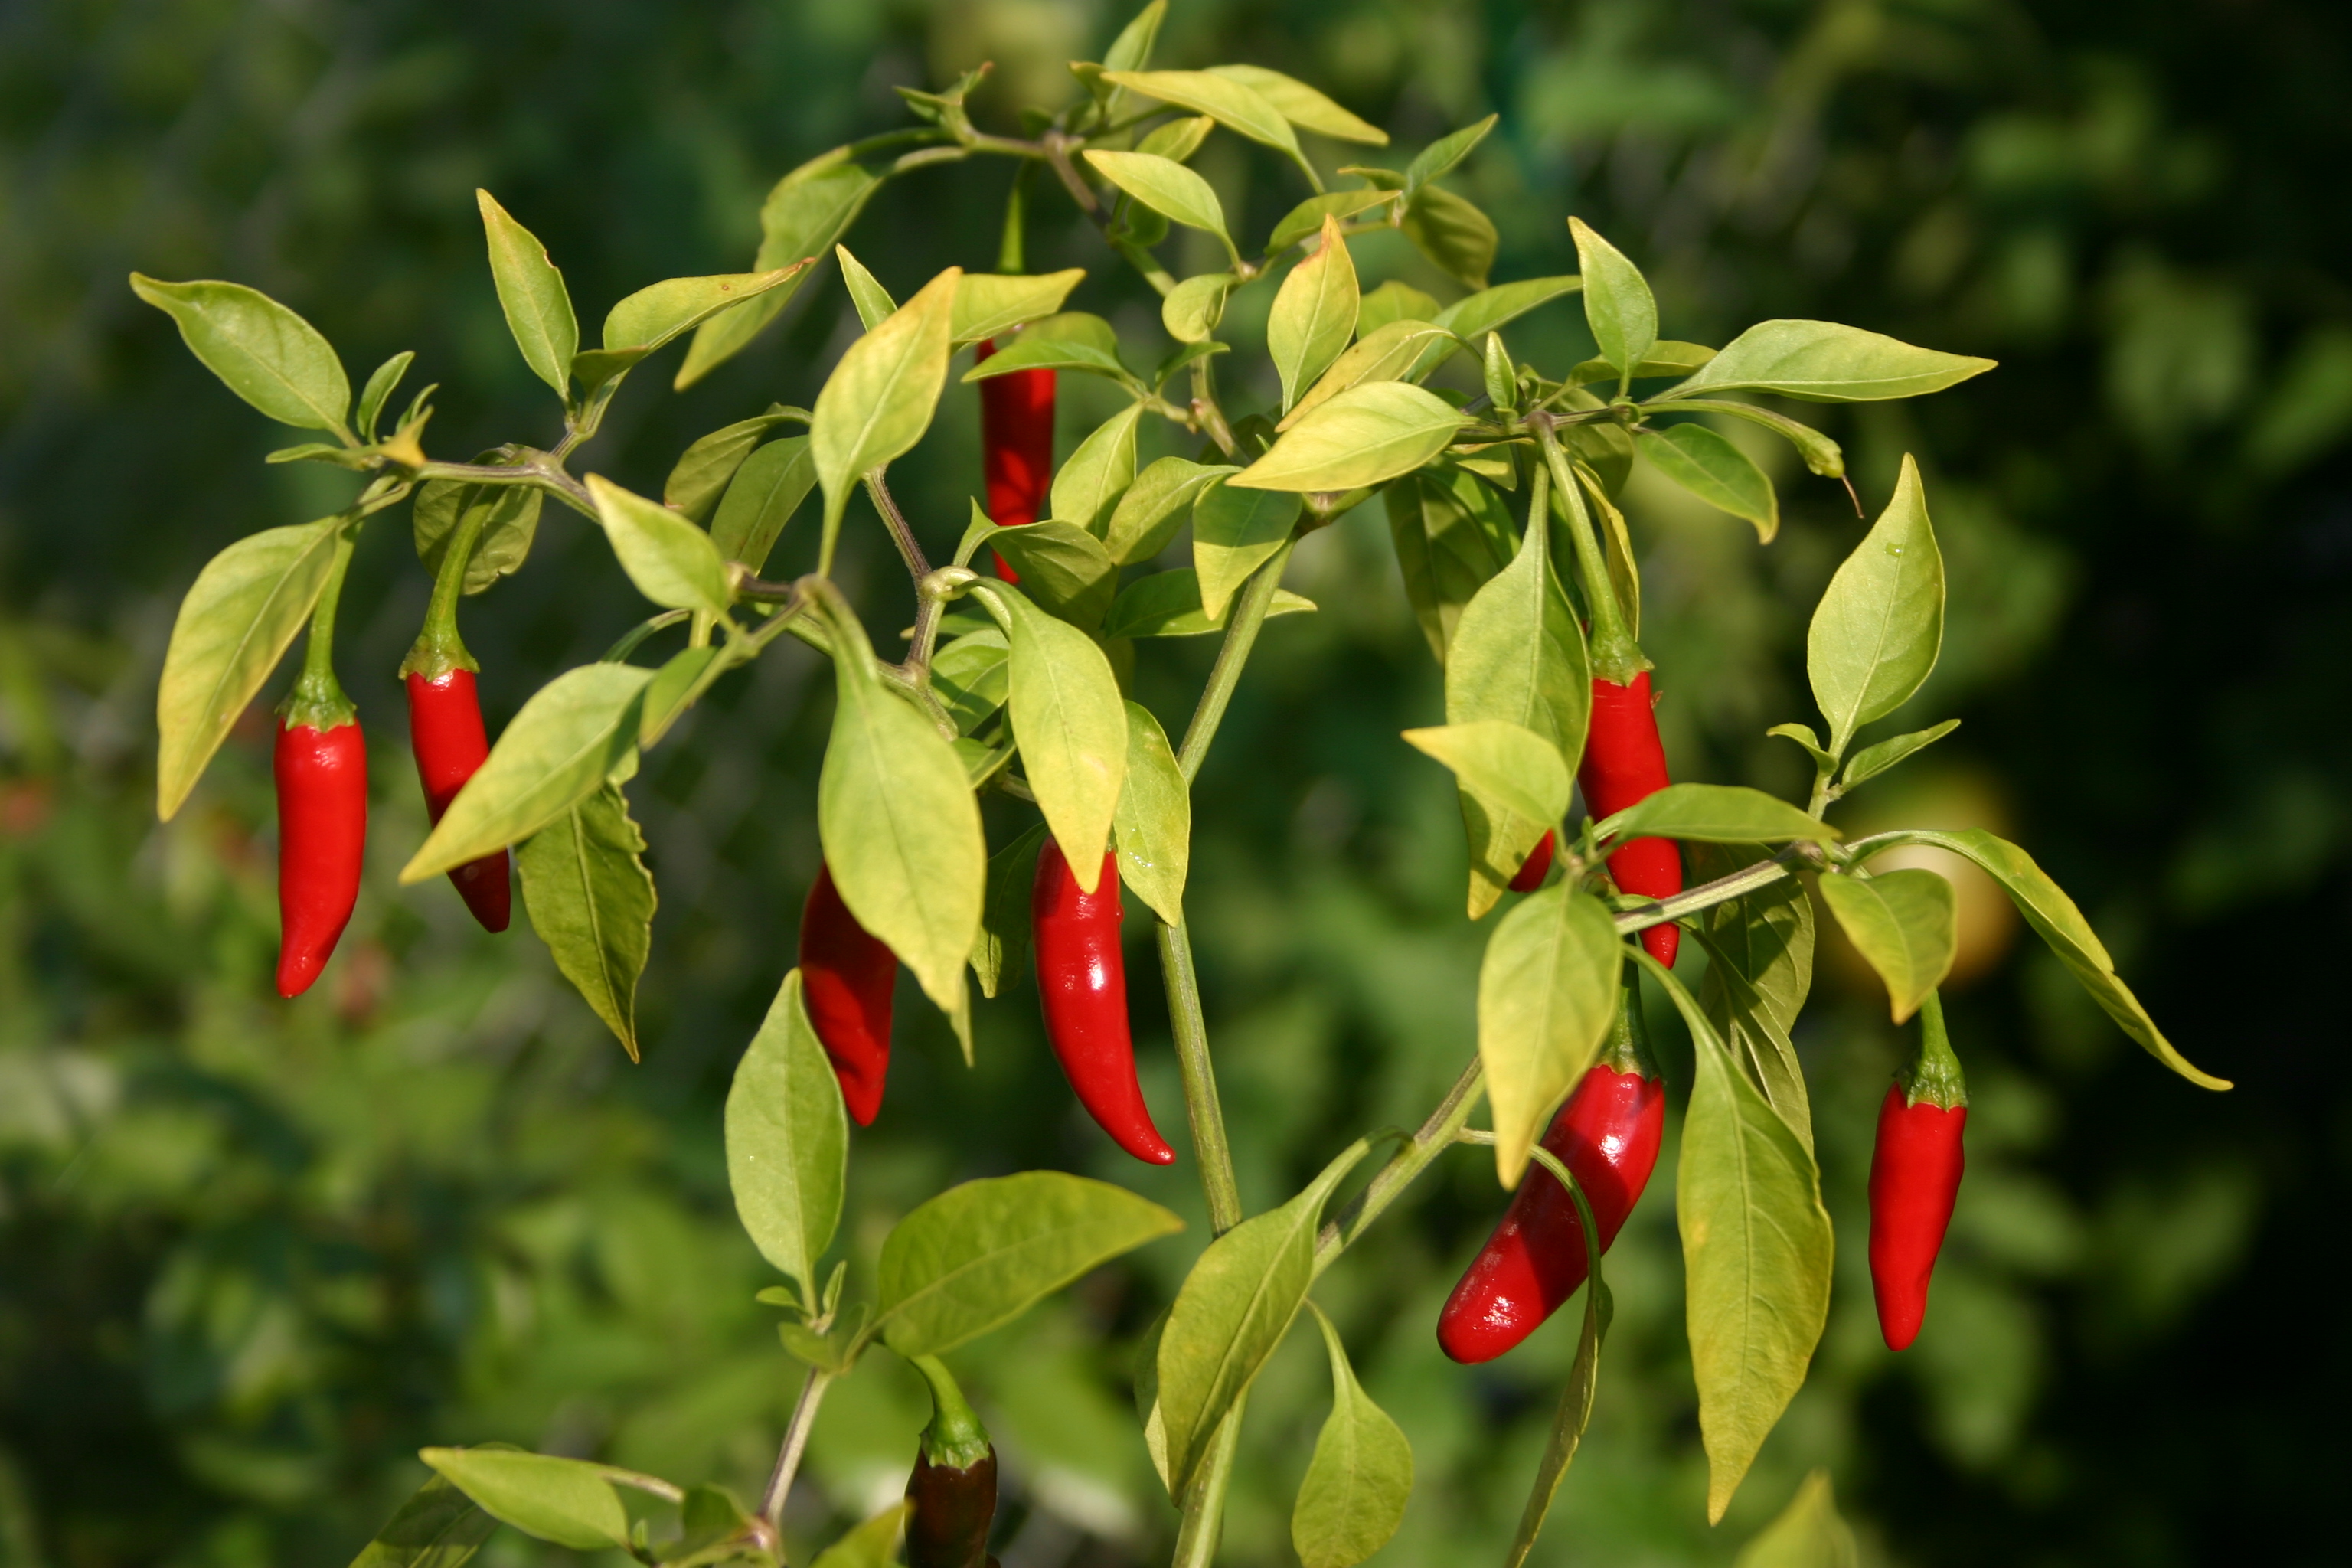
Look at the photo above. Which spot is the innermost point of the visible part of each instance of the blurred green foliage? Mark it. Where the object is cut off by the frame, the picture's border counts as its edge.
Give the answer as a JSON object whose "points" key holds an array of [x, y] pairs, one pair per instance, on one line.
{"points": [[253, 1255]]}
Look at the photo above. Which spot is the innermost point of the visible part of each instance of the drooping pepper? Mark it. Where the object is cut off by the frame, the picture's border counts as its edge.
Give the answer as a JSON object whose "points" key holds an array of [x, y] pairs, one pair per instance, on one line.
{"points": [[846, 975], [320, 766], [444, 721], [1624, 764], [1915, 1177], [1607, 1136], [953, 1487], [1082, 980], [1536, 866], [1016, 446]]}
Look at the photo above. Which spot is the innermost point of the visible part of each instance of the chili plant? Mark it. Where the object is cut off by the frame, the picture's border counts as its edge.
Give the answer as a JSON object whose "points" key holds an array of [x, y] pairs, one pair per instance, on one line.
{"points": [[1500, 480]]}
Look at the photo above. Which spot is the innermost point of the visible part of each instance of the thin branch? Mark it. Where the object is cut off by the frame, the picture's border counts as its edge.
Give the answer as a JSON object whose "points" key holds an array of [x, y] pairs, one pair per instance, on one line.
{"points": [[877, 489], [788, 1458], [1436, 1135]]}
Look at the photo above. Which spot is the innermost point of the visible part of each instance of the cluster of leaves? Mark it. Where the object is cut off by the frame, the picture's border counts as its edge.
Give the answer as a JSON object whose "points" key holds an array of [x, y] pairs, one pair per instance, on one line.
{"points": [[1035, 682]]}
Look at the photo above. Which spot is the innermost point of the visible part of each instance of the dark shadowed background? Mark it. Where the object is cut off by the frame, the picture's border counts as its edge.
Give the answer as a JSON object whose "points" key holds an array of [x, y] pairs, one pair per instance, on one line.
{"points": [[253, 1255]]}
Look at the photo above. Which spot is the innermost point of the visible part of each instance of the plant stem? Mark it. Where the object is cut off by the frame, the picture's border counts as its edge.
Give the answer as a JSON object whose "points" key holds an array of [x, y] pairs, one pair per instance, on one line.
{"points": [[1243, 620], [788, 1458], [1706, 895], [1201, 1105], [877, 490], [1204, 1500], [1616, 658], [317, 699], [1406, 1165]]}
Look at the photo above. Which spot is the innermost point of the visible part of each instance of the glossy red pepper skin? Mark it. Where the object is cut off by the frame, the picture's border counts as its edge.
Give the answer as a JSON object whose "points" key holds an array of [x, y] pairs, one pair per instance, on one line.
{"points": [[1607, 1136], [1082, 980], [321, 776], [1624, 764], [1538, 866], [846, 976], [1915, 1178], [1016, 446], [444, 727]]}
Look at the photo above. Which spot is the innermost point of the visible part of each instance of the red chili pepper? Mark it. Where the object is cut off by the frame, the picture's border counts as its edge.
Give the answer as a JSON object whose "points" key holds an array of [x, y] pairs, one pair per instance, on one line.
{"points": [[1016, 445], [445, 725], [1623, 765], [1082, 979], [322, 838], [1536, 868], [1607, 1136], [846, 975], [1914, 1176]]}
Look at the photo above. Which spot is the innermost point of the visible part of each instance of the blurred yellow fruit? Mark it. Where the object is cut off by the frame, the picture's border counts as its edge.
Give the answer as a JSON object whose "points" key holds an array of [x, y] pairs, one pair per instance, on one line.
{"points": [[1949, 796]]}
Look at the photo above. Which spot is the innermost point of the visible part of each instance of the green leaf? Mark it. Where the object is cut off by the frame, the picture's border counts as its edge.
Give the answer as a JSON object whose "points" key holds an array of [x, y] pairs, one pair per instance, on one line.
{"points": [[1359, 1478], [1230, 103], [988, 303], [1455, 236], [437, 1527], [1234, 532], [1617, 301], [1152, 828], [1071, 725], [569, 738], [702, 472], [1359, 436], [263, 352], [532, 292], [655, 314], [1233, 1308], [1153, 508], [1501, 763], [1570, 1419], [504, 539], [1063, 568], [1821, 362], [591, 900], [894, 813], [969, 675], [1178, 139], [1033, 352], [1002, 950], [983, 1253], [1391, 351], [677, 686], [1452, 534], [1518, 655], [1471, 318], [1873, 759], [1807, 1534], [236, 624], [1905, 924], [1394, 300], [1710, 468], [1438, 159], [872, 300], [1759, 968], [568, 1501], [2056, 921], [788, 1142], [1822, 455], [673, 562], [1756, 1255], [1168, 188], [1168, 605], [805, 214], [1548, 992], [767, 489], [1802, 735], [1131, 50], [1091, 479], [1307, 217], [1666, 357], [1314, 314], [1194, 307], [1880, 625], [873, 1544], [1303, 106], [379, 383], [1713, 813], [879, 401]]}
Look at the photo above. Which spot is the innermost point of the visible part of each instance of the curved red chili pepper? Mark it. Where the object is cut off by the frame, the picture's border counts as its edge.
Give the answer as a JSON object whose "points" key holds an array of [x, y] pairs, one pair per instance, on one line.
{"points": [[1915, 1177], [444, 726], [1016, 445], [322, 777], [846, 975], [1623, 765], [1538, 866], [1082, 978], [1607, 1136]]}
